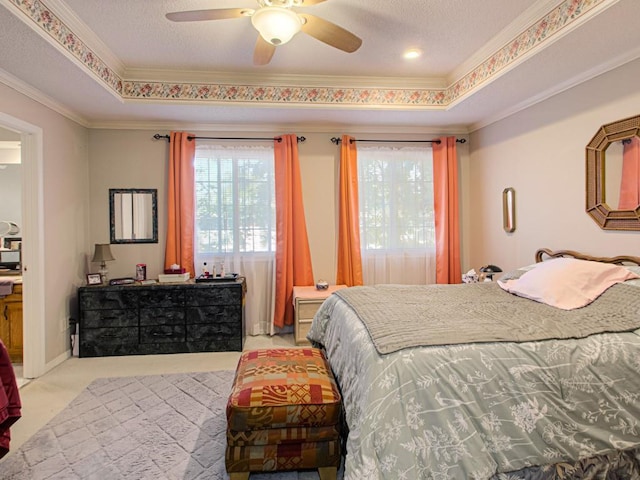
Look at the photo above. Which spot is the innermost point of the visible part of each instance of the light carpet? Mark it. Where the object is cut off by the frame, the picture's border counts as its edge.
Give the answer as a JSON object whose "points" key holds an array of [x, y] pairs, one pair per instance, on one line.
{"points": [[139, 428]]}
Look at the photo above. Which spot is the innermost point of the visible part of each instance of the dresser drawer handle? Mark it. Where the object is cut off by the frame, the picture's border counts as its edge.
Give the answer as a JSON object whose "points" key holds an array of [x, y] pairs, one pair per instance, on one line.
{"points": [[162, 334], [110, 335]]}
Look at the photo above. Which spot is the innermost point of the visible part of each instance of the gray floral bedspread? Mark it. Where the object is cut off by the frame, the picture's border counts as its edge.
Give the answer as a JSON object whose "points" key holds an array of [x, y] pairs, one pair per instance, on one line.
{"points": [[476, 411]]}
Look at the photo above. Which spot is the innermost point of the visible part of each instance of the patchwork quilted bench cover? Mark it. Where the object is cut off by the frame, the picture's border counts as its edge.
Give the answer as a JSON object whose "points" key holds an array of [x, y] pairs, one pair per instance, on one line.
{"points": [[283, 413]]}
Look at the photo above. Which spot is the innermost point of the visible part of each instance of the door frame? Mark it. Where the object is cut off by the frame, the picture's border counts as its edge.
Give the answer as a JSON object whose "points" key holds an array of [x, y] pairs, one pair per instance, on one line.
{"points": [[33, 324]]}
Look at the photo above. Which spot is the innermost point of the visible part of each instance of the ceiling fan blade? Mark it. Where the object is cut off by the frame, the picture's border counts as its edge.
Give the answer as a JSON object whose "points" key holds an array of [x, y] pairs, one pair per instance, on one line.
{"points": [[263, 52], [215, 14], [330, 33]]}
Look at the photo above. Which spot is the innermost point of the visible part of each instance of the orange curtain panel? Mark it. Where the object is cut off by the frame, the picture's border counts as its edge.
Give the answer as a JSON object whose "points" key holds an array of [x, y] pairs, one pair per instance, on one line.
{"points": [[446, 209], [293, 257], [630, 185], [349, 255], [181, 202]]}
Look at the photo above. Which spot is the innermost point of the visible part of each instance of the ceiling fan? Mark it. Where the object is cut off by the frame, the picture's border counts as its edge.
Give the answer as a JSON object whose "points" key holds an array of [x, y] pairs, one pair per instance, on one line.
{"points": [[277, 23]]}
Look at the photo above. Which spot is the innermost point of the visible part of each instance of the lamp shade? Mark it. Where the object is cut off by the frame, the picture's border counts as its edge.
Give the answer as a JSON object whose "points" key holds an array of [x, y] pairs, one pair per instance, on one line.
{"points": [[102, 253], [276, 25]]}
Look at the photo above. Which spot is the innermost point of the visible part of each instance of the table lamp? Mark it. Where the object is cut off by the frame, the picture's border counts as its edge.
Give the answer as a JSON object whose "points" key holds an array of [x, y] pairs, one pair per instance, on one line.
{"points": [[103, 255]]}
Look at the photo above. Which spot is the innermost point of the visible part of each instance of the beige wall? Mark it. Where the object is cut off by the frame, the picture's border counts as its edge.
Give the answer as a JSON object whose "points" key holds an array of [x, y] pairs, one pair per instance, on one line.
{"points": [[126, 159], [65, 178], [132, 159], [541, 153]]}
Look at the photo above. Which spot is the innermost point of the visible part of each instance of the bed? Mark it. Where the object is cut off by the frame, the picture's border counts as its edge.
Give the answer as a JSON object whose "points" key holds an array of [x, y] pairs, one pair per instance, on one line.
{"points": [[492, 385]]}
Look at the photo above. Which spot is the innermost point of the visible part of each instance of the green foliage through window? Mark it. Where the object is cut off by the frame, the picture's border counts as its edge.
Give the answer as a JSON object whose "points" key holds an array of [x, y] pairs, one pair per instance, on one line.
{"points": [[396, 198], [235, 200]]}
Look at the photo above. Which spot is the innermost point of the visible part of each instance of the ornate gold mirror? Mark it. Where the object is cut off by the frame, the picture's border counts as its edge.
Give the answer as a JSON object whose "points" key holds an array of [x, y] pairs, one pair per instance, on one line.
{"points": [[613, 175]]}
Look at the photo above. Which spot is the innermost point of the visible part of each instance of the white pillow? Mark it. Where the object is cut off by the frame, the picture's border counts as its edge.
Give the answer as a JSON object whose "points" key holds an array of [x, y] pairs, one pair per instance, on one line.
{"points": [[567, 283]]}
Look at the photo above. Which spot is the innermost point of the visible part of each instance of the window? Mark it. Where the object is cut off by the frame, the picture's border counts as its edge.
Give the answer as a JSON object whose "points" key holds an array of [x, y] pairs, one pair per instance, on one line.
{"points": [[397, 224], [235, 200], [396, 198]]}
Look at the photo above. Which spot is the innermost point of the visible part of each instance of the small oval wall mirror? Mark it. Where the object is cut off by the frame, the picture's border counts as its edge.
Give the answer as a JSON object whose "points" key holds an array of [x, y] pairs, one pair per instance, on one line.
{"points": [[509, 210], [134, 215]]}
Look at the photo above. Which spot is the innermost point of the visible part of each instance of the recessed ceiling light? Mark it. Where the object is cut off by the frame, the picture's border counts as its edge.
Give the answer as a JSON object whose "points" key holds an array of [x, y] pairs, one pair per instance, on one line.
{"points": [[412, 53]]}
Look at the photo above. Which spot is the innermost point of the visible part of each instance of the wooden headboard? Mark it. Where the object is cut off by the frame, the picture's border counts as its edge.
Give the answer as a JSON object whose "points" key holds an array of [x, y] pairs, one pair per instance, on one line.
{"points": [[545, 254]]}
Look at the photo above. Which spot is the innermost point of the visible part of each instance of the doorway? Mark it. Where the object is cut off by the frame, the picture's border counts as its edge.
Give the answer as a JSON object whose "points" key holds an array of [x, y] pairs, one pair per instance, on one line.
{"points": [[31, 151]]}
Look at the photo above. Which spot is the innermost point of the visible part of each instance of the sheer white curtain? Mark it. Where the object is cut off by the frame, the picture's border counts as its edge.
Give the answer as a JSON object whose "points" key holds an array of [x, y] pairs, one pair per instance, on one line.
{"points": [[258, 270], [235, 222], [396, 215], [400, 267]]}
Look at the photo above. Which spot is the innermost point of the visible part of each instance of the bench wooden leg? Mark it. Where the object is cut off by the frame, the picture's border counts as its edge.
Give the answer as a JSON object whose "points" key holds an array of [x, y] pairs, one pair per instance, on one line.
{"points": [[328, 473], [240, 476]]}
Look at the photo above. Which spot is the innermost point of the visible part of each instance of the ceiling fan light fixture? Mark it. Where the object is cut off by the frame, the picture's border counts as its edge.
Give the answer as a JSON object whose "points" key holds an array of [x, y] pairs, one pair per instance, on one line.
{"points": [[276, 25], [412, 53]]}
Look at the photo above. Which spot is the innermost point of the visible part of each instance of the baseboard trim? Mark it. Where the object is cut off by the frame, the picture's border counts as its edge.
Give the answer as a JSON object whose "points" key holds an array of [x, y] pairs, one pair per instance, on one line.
{"points": [[57, 361]]}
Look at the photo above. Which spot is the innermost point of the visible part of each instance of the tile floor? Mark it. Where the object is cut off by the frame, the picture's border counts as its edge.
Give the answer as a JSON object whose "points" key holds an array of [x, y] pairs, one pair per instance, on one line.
{"points": [[46, 396]]}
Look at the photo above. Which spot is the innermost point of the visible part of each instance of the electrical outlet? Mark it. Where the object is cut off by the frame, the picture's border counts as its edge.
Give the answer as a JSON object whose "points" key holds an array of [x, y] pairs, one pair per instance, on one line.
{"points": [[64, 324]]}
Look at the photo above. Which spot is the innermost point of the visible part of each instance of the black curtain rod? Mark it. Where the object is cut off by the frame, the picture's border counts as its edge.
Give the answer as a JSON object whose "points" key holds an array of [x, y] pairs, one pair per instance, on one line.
{"points": [[337, 141], [157, 136]]}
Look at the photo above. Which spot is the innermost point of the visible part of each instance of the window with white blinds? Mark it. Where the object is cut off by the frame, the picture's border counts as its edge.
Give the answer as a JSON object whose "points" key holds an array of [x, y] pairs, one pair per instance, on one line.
{"points": [[235, 199]]}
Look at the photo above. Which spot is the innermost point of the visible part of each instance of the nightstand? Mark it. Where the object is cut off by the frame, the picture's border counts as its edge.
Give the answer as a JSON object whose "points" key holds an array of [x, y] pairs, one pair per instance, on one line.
{"points": [[306, 301]]}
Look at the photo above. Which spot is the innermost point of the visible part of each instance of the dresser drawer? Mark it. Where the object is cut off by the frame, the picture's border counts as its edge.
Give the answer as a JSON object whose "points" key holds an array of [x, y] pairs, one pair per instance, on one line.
{"points": [[161, 298], [301, 332], [197, 297], [307, 309], [162, 334], [109, 318], [162, 316], [215, 314], [100, 299], [110, 336], [212, 330]]}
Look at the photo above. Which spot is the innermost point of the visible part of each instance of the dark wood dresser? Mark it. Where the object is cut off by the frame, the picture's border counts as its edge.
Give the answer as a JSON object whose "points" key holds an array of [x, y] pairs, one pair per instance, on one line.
{"points": [[161, 318]]}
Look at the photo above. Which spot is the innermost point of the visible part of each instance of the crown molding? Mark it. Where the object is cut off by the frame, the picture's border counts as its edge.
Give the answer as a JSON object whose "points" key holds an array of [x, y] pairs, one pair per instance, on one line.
{"points": [[148, 75], [275, 129], [21, 87]]}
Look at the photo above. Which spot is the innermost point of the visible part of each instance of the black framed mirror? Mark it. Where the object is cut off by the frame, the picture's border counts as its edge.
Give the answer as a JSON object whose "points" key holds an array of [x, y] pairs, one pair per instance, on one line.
{"points": [[133, 215], [605, 160]]}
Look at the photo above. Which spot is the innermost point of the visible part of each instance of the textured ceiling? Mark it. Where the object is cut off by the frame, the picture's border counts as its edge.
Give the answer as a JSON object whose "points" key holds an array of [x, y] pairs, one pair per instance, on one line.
{"points": [[122, 63]]}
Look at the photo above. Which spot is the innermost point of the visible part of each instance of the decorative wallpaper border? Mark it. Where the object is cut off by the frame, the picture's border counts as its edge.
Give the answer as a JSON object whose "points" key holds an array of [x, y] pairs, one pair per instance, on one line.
{"points": [[283, 94], [558, 19], [47, 21]]}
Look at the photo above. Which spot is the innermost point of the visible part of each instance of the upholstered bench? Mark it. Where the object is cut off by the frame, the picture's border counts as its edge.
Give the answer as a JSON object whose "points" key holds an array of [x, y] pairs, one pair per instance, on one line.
{"points": [[283, 413]]}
